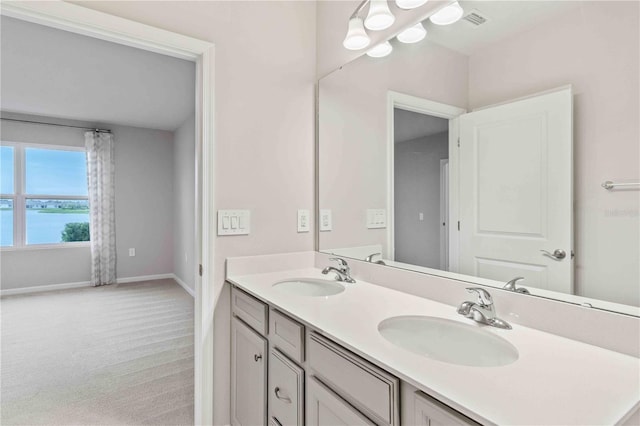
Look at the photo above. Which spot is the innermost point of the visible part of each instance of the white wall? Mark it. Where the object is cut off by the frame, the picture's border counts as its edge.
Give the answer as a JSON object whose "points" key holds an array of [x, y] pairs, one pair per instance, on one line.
{"points": [[264, 129], [417, 190], [184, 175], [596, 50], [144, 212]]}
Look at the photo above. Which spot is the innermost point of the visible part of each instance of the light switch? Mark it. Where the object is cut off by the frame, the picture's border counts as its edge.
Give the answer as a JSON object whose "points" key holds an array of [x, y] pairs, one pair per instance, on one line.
{"points": [[303, 221], [325, 220], [376, 218], [234, 222]]}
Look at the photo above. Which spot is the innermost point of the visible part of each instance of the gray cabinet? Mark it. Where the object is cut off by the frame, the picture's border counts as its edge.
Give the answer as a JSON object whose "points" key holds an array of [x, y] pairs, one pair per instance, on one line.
{"points": [[248, 375], [325, 408]]}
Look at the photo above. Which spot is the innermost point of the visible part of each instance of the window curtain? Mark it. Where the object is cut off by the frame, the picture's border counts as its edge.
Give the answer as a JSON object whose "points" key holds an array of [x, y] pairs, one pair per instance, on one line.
{"points": [[101, 179]]}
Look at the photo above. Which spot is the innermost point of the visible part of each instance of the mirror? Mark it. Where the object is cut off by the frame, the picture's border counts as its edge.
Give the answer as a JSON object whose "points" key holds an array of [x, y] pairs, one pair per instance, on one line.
{"points": [[480, 153]]}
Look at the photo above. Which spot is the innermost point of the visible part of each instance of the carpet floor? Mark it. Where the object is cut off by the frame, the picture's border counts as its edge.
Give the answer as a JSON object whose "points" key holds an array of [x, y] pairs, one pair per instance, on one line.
{"points": [[112, 355]]}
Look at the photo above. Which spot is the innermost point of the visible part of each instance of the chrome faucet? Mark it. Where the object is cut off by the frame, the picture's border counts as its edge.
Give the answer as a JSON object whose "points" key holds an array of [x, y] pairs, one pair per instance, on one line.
{"points": [[482, 311], [511, 286], [371, 256], [342, 271]]}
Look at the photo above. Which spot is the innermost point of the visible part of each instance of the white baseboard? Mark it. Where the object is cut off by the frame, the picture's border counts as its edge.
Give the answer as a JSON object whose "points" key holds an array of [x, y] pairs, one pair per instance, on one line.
{"points": [[42, 288], [185, 286], [143, 278], [65, 286]]}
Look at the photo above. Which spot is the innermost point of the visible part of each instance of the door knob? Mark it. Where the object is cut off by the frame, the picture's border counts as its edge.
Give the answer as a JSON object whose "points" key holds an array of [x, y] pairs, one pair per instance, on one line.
{"points": [[558, 254], [280, 397], [257, 357]]}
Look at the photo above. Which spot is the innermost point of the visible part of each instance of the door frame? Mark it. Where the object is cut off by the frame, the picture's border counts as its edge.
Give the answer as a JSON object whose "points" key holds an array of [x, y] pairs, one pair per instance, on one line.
{"points": [[92, 23], [444, 214], [427, 107]]}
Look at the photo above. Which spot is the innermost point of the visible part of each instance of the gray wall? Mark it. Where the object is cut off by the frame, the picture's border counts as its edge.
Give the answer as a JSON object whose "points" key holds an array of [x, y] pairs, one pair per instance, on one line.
{"points": [[417, 189], [144, 208], [184, 175]]}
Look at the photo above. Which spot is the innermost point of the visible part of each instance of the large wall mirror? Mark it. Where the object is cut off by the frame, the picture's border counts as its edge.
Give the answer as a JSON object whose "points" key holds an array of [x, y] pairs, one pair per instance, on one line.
{"points": [[480, 153]]}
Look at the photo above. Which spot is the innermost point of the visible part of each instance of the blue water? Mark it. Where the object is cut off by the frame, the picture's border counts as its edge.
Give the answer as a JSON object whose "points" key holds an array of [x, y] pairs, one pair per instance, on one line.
{"points": [[42, 228]]}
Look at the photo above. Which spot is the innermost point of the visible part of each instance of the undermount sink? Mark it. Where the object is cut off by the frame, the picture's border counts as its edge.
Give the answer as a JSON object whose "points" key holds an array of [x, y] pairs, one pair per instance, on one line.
{"points": [[310, 287], [448, 341]]}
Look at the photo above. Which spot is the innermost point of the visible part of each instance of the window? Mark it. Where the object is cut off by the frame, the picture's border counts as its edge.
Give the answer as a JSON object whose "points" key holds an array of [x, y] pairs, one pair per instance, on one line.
{"points": [[43, 195]]}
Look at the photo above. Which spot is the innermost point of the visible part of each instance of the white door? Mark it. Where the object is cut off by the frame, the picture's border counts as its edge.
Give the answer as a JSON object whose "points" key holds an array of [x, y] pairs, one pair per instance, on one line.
{"points": [[248, 376], [516, 197], [325, 408]]}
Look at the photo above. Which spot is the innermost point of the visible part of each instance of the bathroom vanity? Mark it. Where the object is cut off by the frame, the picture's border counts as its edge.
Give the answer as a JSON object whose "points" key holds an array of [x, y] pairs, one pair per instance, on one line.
{"points": [[300, 356]]}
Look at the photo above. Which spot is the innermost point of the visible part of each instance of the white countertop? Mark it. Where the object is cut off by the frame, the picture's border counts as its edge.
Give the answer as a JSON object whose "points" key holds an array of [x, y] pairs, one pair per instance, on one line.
{"points": [[555, 381]]}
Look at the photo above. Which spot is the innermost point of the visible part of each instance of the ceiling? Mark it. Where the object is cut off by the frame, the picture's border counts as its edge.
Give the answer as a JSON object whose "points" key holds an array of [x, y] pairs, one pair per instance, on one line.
{"points": [[55, 73], [504, 19], [409, 125]]}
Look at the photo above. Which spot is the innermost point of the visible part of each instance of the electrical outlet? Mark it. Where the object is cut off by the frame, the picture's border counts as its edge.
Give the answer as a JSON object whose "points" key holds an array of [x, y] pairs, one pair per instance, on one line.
{"points": [[376, 218], [303, 221], [132, 252], [325, 220]]}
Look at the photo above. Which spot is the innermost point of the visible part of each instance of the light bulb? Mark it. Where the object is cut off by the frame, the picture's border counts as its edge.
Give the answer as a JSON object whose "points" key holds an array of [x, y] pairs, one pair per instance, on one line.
{"points": [[357, 37], [413, 34], [379, 17], [410, 4], [447, 15], [381, 50]]}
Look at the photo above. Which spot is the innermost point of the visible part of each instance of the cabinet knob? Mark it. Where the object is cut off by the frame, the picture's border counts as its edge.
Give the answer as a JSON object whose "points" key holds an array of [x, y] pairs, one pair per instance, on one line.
{"points": [[257, 357]]}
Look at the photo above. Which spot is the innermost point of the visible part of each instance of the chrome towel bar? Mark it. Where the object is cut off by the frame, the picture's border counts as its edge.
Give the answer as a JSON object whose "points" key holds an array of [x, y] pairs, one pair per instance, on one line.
{"points": [[612, 185]]}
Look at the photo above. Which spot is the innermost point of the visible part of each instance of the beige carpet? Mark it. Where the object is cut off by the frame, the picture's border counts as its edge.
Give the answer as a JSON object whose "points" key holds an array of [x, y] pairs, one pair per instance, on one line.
{"points": [[112, 355]]}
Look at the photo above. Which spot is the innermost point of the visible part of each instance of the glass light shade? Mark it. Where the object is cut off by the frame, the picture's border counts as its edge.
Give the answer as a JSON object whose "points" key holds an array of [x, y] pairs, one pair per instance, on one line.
{"points": [[381, 50], [413, 34], [447, 15], [357, 37], [379, 17], [410, 4]]}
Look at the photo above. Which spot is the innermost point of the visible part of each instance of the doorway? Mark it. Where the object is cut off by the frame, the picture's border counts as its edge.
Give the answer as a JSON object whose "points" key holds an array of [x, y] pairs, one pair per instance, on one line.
{"points": [[98, 25], [421, 156]]}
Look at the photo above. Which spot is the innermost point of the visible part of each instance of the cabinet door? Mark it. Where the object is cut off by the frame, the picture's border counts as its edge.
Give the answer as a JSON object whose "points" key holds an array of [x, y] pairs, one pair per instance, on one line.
{"points": [[248, 376], [325, 408]]}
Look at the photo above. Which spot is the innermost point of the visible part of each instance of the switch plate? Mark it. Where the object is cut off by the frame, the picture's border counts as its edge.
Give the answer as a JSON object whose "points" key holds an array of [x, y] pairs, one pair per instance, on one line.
{"points": [[234, 222], [376, 218], [303, 221], [132, 252], [325, 220]]}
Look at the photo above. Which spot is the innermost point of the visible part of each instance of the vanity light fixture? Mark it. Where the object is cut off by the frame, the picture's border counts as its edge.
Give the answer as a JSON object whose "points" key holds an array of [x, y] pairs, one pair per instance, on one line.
{"points": [[381, 50], [379, 17], [448, 14], [357, 37], [413, 34], [410, 4]]}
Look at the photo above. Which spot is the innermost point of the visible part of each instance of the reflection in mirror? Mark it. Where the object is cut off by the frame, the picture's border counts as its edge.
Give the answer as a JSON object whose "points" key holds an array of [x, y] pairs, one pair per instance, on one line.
{"points": [[480, 152]]}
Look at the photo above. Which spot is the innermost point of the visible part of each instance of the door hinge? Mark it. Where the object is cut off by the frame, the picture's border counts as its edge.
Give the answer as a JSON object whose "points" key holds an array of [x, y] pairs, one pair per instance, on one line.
{"points": [[458, 225], [200, 269], [458, 142]]}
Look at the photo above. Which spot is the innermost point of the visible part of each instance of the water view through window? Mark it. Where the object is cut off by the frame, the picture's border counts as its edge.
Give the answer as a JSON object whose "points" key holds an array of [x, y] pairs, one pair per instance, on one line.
{"points": [[52, 201], [6, 222], [56, 221]]}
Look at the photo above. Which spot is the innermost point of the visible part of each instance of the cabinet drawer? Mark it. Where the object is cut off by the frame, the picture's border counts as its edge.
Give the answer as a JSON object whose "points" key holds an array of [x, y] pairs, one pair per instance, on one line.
{"points": [[430, 412], [249, 309], [286, 335], [370, 389], [286, 390], [325, 408]]}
